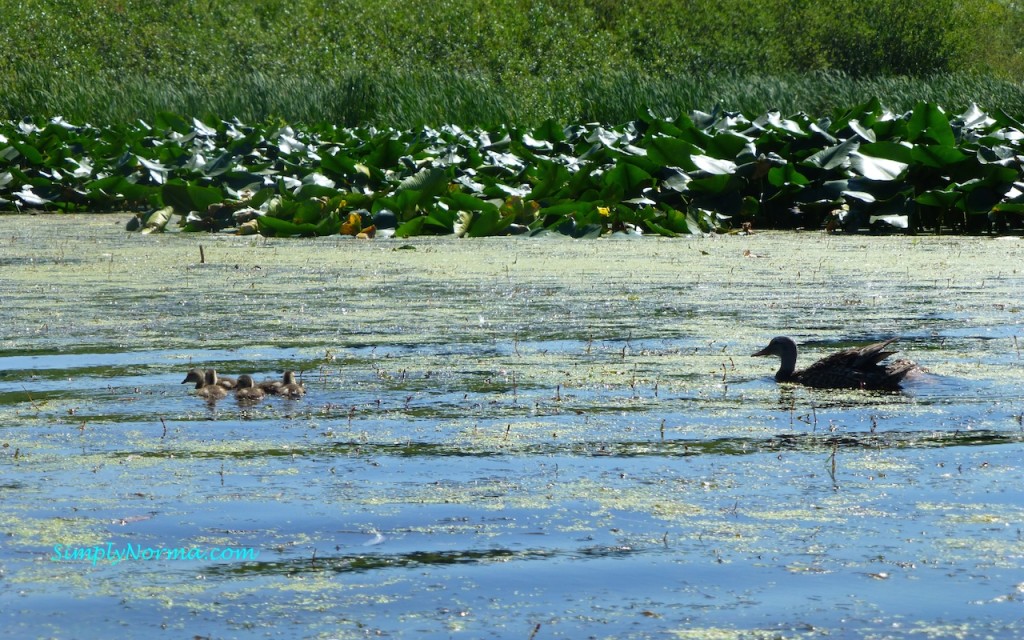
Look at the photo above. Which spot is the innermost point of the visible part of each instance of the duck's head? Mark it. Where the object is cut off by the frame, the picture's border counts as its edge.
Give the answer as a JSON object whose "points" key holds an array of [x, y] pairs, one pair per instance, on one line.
{"points": [[777, 347], [195, 375], [245, 381]]}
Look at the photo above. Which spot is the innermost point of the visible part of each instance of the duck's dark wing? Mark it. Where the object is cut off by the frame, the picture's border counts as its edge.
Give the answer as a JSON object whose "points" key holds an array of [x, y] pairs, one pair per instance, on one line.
{"points": [[867, 357], [857, 368]]}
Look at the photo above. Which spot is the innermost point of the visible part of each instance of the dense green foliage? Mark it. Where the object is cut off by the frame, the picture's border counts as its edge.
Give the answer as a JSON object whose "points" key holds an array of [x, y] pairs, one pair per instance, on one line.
{"points": [[866, 167], [440, 115], [404, 64]]}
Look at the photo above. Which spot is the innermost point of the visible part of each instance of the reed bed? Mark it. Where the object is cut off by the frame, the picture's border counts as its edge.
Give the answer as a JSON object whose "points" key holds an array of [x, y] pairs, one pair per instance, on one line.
{"points": [[406, 100], [390, 63]]}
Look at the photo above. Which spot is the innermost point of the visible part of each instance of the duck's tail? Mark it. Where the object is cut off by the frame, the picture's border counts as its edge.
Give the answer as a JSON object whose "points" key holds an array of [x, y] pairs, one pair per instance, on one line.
{"points": [[897, 370]]}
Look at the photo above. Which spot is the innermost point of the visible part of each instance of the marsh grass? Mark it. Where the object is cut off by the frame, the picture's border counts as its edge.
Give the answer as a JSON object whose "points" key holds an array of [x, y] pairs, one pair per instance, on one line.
{"points": [[394, 64], [414, 99], [818, 93]]}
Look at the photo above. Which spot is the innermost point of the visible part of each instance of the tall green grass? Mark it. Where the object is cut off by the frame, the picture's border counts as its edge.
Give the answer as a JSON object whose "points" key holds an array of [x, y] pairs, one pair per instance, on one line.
{"points": [[408, 99], [391, 62]]}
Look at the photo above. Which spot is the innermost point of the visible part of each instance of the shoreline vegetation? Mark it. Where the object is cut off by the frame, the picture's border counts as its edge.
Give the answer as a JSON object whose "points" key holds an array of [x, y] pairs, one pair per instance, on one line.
{"points": [[392, 64], [869, 168], [513, 116], [417, 98]]}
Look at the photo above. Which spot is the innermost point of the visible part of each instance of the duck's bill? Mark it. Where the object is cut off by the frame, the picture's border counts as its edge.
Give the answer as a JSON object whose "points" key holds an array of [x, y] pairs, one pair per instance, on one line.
{"points": [[761, 353]]}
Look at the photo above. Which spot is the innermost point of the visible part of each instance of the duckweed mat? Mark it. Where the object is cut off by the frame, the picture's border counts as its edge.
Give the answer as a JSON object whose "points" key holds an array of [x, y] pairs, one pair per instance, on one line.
{"points": [[505, 438]]}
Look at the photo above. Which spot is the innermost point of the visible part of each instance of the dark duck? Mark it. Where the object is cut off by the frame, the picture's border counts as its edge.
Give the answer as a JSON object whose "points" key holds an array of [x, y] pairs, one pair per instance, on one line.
{"points": [[856, 368]]}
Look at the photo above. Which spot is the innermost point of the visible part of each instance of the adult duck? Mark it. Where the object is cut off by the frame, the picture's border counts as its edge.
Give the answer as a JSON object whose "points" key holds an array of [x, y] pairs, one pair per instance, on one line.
{"points": [[856, 368]]}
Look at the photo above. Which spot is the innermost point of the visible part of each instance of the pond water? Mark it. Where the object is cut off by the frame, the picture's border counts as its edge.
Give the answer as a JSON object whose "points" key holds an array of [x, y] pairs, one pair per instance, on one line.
{"points": [[506, 438]]}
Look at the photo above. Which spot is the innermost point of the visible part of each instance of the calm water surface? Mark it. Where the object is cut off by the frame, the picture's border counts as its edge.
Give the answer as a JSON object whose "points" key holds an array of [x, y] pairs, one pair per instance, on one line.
{"points": [[506, 438]]}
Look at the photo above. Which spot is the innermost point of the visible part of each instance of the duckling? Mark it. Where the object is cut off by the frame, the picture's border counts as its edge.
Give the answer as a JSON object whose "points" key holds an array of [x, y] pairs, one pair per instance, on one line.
{"points": [[195, 375], [209, 388], [227, 383], [271, 387], [199, 377], [291, 388], [247, 390]]}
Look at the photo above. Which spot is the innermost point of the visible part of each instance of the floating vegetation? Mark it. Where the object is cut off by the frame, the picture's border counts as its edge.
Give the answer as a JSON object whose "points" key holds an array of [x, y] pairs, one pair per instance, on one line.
{"points": [[864, 168], [564, 434]]}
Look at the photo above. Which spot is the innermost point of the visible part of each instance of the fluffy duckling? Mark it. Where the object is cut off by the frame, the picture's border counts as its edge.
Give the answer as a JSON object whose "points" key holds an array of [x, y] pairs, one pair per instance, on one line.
{"points": [[209, 388], [227, 383], [247, 390], [198, 376], [271, 387], [291, 388]]}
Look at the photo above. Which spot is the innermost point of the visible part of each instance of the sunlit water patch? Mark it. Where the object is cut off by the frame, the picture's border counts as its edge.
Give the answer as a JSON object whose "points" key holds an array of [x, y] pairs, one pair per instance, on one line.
{"points": [[507, 438]]}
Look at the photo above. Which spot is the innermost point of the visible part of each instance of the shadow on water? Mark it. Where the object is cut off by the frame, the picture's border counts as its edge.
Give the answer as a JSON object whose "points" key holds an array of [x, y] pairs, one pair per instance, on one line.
{"points": [[371, 562], [631, 449]]}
